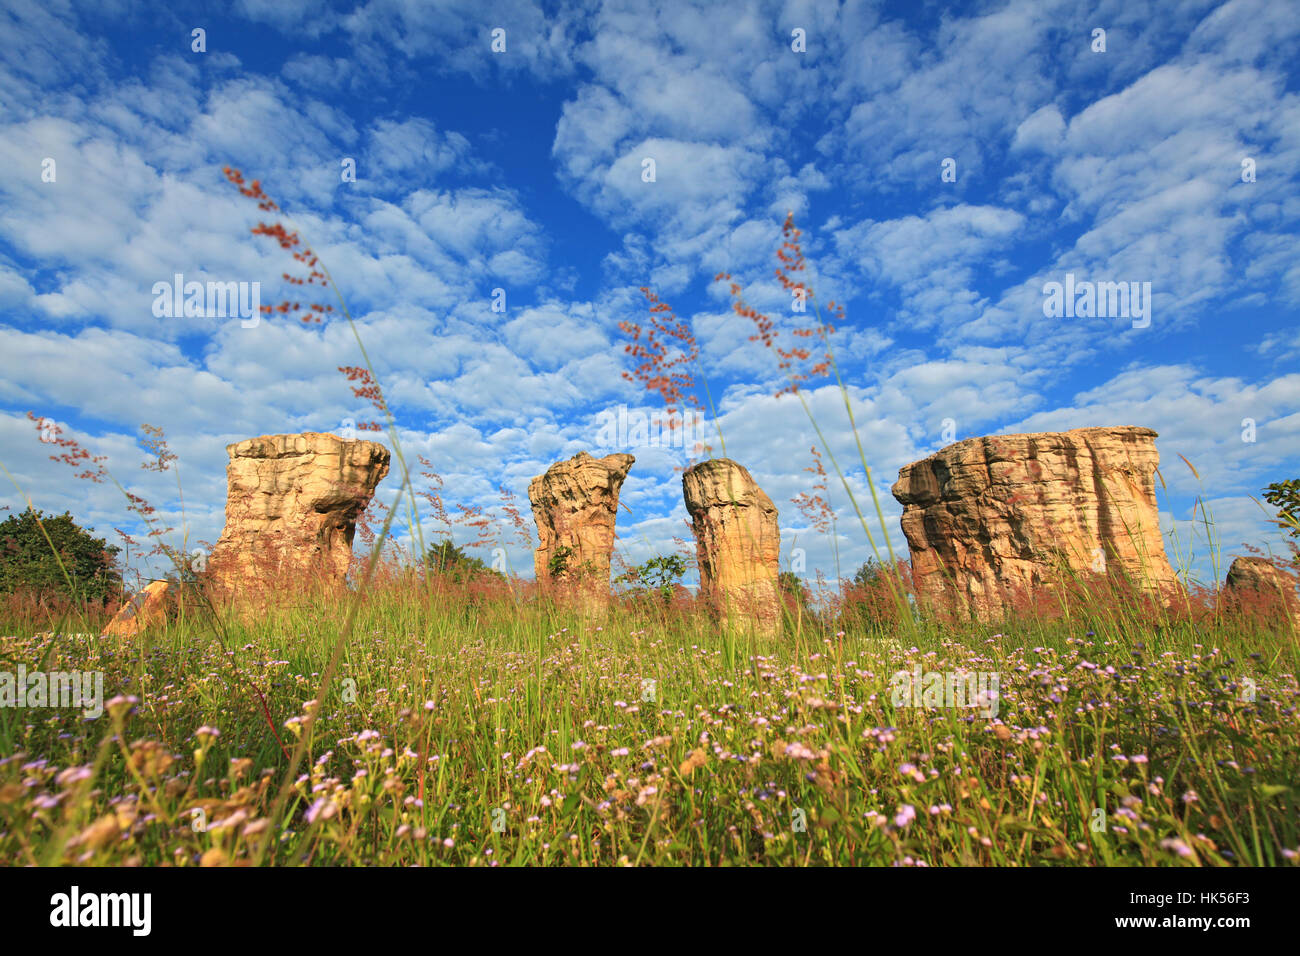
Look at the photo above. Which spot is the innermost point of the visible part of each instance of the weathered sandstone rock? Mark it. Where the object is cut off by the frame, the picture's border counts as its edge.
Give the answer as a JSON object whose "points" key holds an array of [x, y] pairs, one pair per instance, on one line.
{"points": [[737, 541], [292, 504], [145, 609], [988, 517], [1257, 585], [574, 504]]}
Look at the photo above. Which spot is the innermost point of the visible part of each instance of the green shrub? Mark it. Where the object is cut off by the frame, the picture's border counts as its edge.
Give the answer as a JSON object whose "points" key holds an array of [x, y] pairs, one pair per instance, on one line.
{"points": [[79, 565], [659, 575]]}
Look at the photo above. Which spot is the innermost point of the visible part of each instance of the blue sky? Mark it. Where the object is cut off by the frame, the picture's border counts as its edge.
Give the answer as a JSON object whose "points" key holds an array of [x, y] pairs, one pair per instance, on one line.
{"points": [[522, 170]]}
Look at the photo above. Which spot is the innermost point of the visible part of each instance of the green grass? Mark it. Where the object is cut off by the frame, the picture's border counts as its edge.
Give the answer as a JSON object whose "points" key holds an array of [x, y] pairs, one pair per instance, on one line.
{"points": [[452, 695]]}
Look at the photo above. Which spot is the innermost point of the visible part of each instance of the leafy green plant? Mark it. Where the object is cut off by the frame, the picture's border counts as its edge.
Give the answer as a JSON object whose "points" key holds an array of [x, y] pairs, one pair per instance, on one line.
{"points": [[36, 550], [557, 566], [660, 575], [1285, 496]]}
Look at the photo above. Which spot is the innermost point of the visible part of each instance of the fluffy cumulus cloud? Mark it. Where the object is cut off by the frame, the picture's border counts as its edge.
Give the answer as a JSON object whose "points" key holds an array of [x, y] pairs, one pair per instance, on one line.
{"points": [[490, 185]]}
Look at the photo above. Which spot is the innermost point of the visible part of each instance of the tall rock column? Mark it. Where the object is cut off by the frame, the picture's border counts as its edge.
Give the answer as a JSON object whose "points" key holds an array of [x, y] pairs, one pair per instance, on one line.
{"points": [[988, 517], [292, 504], [575, 504], [737, 542]]}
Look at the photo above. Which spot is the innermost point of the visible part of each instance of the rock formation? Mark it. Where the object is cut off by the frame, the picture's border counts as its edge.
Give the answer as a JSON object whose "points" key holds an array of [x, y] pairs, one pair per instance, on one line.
{"points": [[737, 542], [575, 504], [987, 518], [1259, 586], [145, 609], [292, 504]]}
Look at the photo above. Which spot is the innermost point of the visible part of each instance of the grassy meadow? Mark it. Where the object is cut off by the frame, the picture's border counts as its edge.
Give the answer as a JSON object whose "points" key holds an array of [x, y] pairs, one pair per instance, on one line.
{"points": [[466, 727]]}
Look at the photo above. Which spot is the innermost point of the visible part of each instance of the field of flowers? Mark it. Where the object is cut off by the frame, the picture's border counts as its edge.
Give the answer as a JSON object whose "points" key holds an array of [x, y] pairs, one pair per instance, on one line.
{"points": [[465, 731]]}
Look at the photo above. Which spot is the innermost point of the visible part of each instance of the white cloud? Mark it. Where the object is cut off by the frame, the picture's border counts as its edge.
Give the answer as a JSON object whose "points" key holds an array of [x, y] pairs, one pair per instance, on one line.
{"points": [[1043, 130], [932, 258]]}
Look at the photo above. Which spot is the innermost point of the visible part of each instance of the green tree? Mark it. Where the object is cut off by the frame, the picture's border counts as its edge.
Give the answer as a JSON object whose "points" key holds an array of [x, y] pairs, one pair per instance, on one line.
{"points": [[867, 575], [27, 562], [1285, 497], [446, 558], [658, 575]]}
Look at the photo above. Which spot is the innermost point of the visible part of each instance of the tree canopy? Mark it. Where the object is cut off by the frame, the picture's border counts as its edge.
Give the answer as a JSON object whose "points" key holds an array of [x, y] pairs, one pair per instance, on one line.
{"points": [[1285, 497], [448, 559], [28, 563]]}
